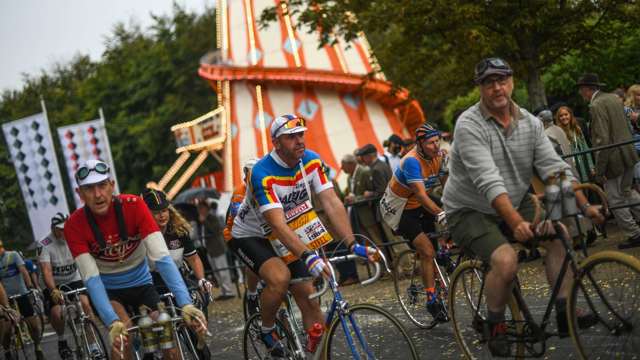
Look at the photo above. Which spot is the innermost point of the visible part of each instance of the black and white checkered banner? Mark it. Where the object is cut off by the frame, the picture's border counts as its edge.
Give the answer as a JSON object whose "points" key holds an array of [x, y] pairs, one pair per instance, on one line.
{"points": [[31, 148], [84, 141]]}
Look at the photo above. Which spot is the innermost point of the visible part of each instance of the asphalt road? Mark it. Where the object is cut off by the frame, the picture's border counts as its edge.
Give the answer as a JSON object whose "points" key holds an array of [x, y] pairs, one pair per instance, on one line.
{"points": [[226, 323]]}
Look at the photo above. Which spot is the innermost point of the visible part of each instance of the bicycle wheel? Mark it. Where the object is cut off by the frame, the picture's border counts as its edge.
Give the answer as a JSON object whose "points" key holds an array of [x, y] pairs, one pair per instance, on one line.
{"points": [[253, 347], [186, 345], [407, 282], [375, 333], [91, 336], [609, 287], [467, 309], [78, 347]]}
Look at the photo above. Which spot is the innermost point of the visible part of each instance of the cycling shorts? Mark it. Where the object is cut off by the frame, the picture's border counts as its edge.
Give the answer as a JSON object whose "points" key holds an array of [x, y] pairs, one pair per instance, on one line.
{"points": [[25, 305], [132, 298], [255, 251], [413, 222], [48, 301]]}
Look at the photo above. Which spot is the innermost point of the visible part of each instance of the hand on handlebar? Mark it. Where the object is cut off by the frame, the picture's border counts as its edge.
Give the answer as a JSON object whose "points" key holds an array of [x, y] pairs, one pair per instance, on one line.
{"points": [[316, 265], [119, 337], [523, 231], [441, 219], [56, 296], [595, 214], [367, 252], [205, 285]]}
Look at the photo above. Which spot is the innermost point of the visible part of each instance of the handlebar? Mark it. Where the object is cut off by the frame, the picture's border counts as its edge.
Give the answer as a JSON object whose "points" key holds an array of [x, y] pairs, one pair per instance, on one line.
{"points": [[69, 293]]}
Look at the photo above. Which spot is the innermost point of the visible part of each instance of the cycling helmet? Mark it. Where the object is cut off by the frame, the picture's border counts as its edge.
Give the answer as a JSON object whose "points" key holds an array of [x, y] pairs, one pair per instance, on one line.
{"points": [[156, 200], [58, 220], [426, 131]]}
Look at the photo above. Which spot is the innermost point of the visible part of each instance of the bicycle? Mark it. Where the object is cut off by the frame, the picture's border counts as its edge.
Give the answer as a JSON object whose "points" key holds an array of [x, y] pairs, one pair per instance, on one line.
{"points": [[21, 330], [188, 349], [409, 288], [613, 331], [354, 322], [87, 339]]}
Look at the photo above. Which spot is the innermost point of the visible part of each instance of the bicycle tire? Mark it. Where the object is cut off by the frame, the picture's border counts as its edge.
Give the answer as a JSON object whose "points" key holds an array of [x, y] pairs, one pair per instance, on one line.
{"points": [[252, 346], [464, 298], [603, 293], [77, 340], [90, 327], [409, 289], [186, 347], [335, 345]]}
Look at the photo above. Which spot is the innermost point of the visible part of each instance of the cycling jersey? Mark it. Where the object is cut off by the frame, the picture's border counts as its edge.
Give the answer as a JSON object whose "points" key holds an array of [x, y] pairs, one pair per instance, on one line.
{"points": [[56, 252], [10, 275], [234, 205], [414, 169], [274, 184], [180, 246], [121, 263]]}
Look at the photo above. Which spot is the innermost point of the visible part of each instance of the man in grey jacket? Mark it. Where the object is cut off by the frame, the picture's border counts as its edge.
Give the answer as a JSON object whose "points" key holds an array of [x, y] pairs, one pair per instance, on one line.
{"points": [[497, 147], [614, 167]]}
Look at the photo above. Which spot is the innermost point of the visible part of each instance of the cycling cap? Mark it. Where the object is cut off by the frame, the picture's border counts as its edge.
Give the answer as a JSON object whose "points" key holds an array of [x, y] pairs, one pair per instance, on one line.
{"points": [[287, 124], [92, 172], [58, 220], [491, 66], [426, 131], [156, 200]]}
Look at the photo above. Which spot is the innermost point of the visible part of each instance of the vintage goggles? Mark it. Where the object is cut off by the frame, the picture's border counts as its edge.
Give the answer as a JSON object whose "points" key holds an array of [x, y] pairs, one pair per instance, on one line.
{"points": [[100, 168]]}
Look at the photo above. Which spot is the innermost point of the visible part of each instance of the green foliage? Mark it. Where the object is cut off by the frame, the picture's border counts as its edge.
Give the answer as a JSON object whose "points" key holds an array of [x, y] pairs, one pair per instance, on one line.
{"points": [[145, 82]]}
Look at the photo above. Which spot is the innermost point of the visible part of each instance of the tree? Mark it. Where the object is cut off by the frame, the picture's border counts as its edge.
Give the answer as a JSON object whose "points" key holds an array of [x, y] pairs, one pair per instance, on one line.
{"points": [[448, 37]]}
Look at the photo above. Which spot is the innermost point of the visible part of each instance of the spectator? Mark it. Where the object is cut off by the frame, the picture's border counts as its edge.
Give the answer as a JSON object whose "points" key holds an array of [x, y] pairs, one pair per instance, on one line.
{"points": [[614, 167], [209, 231], [632, 111], [583, 163], [392, 154]]}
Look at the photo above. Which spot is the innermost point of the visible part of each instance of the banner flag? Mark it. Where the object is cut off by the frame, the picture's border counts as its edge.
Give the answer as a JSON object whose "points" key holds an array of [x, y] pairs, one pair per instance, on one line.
{"points": [[31, 147], [84, 141]]}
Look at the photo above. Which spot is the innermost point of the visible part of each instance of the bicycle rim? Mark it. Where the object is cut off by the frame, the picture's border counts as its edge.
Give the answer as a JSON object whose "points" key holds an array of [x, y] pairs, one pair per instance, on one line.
{"points": [[375, 333], [468, 314], [252, 345], [91, 331], [407, 283], [609, 288]]}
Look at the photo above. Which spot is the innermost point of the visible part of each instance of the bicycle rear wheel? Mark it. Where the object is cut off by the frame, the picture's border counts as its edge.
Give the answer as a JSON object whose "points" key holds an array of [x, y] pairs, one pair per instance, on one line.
{"points": [[467, 309], [253, 347], [375, 334], [609, 287]]}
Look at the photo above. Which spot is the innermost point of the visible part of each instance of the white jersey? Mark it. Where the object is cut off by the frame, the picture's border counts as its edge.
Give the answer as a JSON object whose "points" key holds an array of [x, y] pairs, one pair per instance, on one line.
{"points": [[56, 252]]}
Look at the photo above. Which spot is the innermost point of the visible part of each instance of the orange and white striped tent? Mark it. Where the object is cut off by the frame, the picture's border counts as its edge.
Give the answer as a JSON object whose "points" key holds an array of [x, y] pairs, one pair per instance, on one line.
{"points": [[262, 73]]}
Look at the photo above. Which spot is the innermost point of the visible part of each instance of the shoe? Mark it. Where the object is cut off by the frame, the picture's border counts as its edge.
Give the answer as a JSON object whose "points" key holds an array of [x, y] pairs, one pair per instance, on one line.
{"points": [[253, 304], [274, 345], [498, 343], [97, 354], [630, 243], [64, 351], [436, 309], [224, 297], [585, 321]]}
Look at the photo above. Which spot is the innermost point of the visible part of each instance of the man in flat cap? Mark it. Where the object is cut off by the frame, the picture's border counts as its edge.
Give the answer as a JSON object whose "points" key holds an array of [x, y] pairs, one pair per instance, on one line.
{"points": [[614, 167]]}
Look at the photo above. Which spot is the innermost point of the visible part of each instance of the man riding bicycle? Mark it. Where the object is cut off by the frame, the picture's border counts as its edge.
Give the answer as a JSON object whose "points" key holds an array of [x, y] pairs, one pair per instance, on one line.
{"points": [[16, 281], [111, 238], [419, 171], [276, 214], [497, 150], [59, 272]]}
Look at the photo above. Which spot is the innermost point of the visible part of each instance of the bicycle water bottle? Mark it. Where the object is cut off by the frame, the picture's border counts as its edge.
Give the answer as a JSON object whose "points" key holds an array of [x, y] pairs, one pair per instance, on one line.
{"points": [[315, 335], [568, 198], [145, 324], [165, 328], [552, 201]]}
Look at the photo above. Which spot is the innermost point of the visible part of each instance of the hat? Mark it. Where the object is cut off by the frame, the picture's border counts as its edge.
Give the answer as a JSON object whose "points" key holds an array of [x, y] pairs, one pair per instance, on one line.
{"points": [[426, 131], [58, 220], [491, 66], [156, 200], [589, 79], [545, 115], [395, 139], [367, 149], [287, 124], [92, 172]]}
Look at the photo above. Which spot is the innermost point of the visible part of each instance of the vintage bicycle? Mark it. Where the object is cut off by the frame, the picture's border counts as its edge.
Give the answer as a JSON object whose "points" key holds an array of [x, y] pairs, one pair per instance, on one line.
{"points": [[87, 339]]}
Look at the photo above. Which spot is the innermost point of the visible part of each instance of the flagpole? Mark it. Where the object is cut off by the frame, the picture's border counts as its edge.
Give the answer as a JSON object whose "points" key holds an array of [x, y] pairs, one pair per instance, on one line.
{"points": [[108, 147]]}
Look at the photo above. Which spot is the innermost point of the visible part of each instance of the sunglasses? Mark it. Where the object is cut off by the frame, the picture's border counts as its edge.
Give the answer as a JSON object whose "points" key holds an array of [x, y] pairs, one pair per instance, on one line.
{"points": [[291, 124], [495, 63], [100, 168]]}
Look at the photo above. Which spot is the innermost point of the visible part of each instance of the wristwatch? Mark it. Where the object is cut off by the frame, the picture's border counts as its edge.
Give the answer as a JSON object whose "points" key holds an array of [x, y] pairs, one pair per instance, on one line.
{"points": [[584, 207]]}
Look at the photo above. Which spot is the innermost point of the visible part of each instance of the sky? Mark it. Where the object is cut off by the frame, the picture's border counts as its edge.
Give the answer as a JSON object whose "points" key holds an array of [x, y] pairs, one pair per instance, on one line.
{"points": [[36, 34]]}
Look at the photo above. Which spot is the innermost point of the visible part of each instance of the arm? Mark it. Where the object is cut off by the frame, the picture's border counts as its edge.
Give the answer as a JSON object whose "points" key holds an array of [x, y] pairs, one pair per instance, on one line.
{"points": [[421, 195], [599, 137], [196, 265], [4, 300], [47, 275], [379, 183], [25, 276]]}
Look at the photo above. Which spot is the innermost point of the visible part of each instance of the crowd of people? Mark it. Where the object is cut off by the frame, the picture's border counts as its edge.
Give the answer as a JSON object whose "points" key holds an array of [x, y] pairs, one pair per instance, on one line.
{"points": [[123, 248]]}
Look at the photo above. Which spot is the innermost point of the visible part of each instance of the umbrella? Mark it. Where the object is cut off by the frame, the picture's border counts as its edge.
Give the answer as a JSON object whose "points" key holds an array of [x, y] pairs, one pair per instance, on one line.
{"points": [[189, 195]]}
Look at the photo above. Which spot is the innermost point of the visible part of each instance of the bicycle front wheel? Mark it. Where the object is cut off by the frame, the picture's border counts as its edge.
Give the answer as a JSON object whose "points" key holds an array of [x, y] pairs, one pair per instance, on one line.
{"points": [[607, 294], [93, 343], [373, 332], [186, 344], [467, 309]]}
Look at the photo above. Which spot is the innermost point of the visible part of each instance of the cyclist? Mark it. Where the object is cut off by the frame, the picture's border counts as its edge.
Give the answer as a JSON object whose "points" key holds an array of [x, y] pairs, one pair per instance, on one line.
{"points": [[175, 230], [16, 281], [277, 203], [110, 239], [253, 302], [497, 148], [7, 315], [419, 171]]}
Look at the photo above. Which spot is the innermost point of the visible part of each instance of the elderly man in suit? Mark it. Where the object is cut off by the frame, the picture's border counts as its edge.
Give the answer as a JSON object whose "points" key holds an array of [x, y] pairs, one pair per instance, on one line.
{"points": [[614, 167]]}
